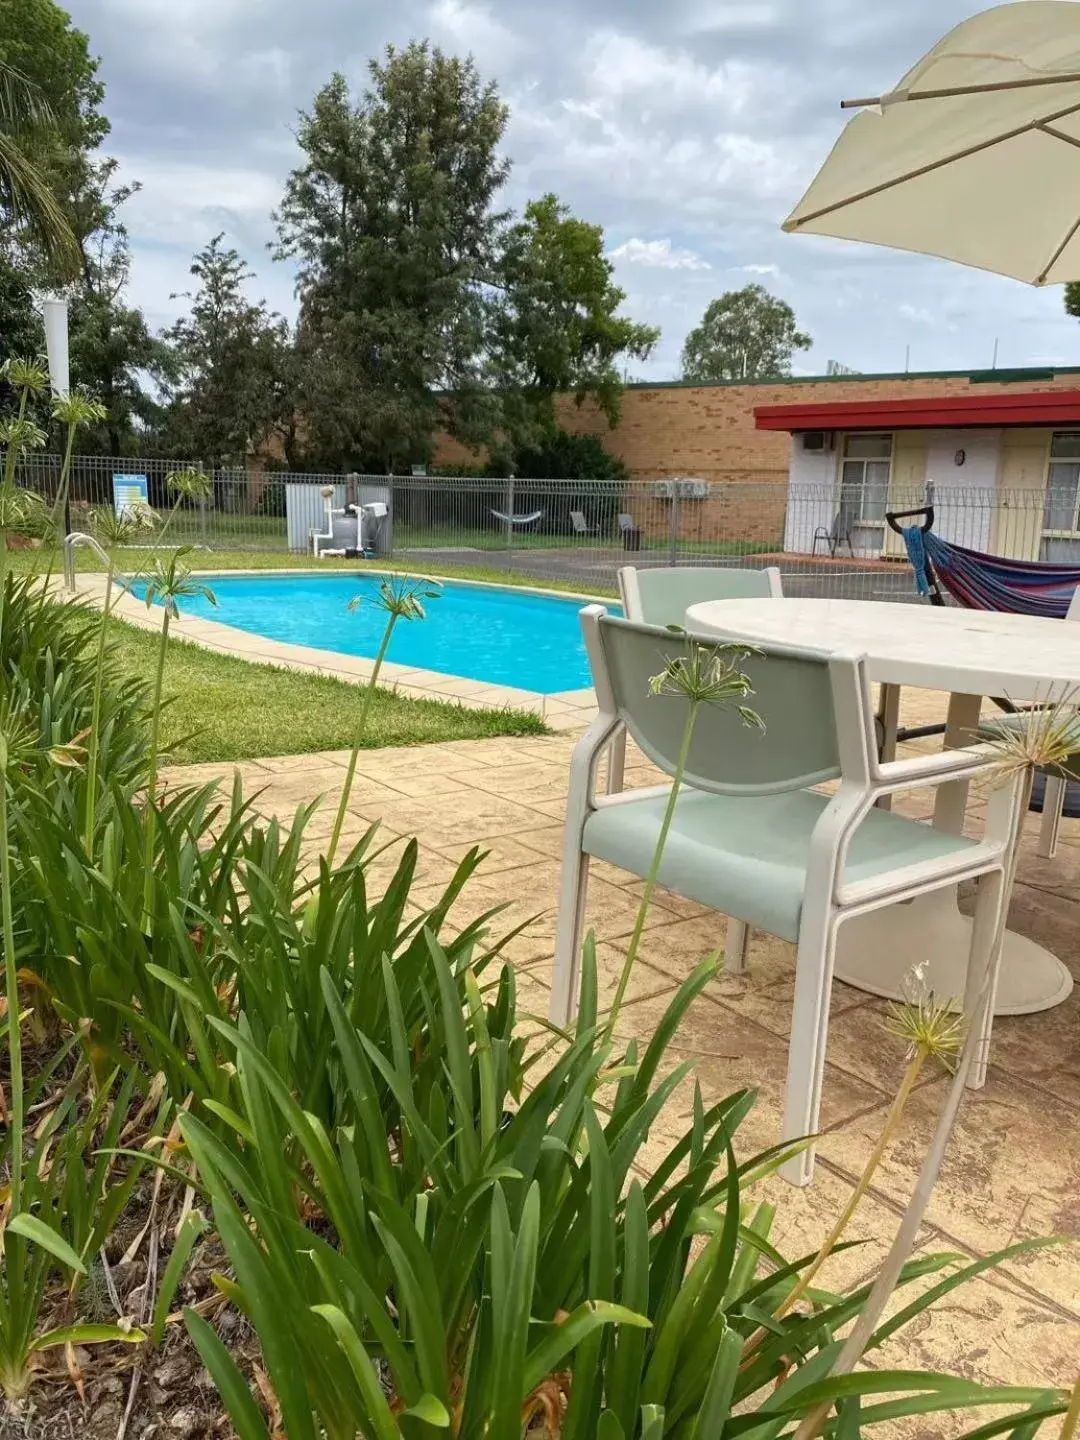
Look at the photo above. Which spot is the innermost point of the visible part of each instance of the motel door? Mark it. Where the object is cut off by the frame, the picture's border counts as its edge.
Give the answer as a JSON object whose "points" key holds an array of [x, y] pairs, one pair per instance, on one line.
{"points": [[963, 465]]}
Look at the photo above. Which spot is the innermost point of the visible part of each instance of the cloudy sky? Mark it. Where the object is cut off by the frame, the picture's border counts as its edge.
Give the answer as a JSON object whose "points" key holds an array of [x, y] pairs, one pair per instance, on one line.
{"points": [[687, 128]]}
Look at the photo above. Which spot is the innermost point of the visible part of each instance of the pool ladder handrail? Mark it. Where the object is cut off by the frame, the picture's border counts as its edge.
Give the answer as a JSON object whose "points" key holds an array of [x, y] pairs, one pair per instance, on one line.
{"points": [[71, 542]]}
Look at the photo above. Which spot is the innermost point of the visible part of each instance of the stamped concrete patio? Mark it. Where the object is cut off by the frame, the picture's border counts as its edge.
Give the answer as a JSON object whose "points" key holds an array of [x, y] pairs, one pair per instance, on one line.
{"points": [[1013, 1170]]}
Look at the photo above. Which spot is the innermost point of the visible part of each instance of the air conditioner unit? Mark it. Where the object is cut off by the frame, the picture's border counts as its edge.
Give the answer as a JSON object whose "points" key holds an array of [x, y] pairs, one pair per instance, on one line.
{"points": [[663, 489], [817, 442]]}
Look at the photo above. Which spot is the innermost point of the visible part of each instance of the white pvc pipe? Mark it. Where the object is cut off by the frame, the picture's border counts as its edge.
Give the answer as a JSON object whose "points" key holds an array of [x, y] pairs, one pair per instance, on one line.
{"points": [[55, 312]]}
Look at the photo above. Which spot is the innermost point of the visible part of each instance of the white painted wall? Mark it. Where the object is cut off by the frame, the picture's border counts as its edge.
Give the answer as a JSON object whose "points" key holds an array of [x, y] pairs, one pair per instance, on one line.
{"points": [[812, 495], [964, 494]]}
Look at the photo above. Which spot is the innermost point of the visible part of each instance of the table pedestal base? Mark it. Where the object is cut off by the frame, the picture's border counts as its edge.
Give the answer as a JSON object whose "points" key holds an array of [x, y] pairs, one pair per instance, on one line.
{"points": [[875, 952]]}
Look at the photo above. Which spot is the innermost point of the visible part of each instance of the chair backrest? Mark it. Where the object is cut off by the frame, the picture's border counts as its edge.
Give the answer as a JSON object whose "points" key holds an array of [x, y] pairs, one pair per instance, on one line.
{"points": [[577, 519], [626, 522], [662, 595], [794, 692], [1073, 612]]}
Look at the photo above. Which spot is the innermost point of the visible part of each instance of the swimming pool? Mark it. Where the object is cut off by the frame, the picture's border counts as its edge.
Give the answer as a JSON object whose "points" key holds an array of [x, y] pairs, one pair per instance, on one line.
{"points": [[499, 635]]}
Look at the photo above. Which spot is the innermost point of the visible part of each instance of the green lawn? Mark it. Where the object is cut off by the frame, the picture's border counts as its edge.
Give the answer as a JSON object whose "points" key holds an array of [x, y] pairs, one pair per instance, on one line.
{"points": [[223, 708]]}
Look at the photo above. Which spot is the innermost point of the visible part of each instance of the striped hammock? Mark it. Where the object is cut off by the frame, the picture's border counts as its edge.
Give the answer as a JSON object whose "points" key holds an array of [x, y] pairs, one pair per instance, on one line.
{"points": [[989, 582]]}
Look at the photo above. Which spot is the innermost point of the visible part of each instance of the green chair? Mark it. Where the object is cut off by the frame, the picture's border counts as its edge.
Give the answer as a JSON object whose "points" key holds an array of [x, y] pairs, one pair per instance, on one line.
{"points": [[752, 839], [662, 596]]}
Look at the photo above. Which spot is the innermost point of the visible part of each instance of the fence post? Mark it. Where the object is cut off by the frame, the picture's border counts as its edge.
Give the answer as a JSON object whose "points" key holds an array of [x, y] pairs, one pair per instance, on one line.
{"points": [[509, 516], [673, 548]]}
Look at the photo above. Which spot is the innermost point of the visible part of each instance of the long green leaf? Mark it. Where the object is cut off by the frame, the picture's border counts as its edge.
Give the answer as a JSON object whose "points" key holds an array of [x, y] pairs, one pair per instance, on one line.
{"points": [[378, 1416], [86, 1334], [232, 1387], [716, 1406], [192, 1227], [31, 1227], [560, 1340]]}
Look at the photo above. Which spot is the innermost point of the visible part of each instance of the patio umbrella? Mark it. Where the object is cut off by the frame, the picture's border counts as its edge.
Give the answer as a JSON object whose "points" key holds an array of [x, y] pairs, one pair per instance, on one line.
{"points": [[974, 156]]}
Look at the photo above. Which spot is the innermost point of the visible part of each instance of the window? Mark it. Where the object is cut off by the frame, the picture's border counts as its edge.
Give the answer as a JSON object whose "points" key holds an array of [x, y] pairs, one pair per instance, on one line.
{"points": [[864, 478], [1063, 482]]}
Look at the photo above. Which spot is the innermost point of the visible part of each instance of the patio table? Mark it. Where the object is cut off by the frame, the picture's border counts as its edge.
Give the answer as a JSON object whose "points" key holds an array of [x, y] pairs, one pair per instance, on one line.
{"points": [[970, 654]]}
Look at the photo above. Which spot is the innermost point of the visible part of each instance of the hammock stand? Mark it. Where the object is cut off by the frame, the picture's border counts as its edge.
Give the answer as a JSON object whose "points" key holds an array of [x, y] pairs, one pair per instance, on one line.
{"points": [[978, 581]]}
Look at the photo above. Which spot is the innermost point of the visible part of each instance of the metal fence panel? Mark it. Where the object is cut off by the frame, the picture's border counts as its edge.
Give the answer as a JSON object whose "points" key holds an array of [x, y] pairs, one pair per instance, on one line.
{"points": [[580, 531]]}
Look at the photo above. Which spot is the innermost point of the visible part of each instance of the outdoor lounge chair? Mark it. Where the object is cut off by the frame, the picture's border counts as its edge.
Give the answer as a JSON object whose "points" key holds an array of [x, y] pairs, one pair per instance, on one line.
{"points": [[837, 534], [581, 525], [750, 838], [630, 531], [662, 596]]}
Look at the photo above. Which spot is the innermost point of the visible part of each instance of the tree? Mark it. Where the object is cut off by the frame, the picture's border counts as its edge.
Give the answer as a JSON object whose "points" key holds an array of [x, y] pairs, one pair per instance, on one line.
{"points": [[746, 334], [392, 224], [555, 327], [21, 332], [112, 348], [50, 121], [1072, 298], [231, 387]]}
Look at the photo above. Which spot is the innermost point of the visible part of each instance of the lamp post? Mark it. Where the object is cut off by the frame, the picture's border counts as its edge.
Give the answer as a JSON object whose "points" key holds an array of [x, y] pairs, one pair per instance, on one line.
{"points": [[55, 314]]}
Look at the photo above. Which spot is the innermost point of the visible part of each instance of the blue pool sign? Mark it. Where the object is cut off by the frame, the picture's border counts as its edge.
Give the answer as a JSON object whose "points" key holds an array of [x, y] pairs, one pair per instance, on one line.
{"points": [[129, 491]]}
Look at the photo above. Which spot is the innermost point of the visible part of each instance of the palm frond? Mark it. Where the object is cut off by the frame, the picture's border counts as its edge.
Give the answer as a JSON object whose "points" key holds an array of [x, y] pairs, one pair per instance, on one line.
{"points": [[33, 208]]}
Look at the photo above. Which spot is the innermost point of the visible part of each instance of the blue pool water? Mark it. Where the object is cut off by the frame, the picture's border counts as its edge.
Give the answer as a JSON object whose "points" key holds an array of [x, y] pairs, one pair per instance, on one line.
{"points": [[502, 636]]}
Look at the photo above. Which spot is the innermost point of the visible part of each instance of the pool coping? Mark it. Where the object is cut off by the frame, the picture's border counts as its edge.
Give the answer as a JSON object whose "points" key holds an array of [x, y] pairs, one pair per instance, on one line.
{"points": [[563, 710]]}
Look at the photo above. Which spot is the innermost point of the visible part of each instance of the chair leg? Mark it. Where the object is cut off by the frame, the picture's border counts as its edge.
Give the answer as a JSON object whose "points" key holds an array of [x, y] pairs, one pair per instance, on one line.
{"points": [[566, 979], [984, 961], [806, 1051], [889, 722], [738, 936], [1053, 807], [616, 764]]}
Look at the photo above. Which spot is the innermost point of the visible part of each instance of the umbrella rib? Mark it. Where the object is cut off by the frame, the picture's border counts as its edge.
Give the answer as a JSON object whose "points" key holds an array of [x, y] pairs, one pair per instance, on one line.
{"points": [[1040, 279], [930, 167]]}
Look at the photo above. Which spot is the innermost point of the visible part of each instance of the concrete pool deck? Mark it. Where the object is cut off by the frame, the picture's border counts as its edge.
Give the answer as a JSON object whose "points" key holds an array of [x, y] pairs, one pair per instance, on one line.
{"points": [[565, 710], [1013, 1169]]}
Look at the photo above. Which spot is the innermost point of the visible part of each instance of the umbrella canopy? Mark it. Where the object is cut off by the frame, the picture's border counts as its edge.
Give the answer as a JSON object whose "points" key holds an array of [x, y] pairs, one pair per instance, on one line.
{"points": [[974, 157]]}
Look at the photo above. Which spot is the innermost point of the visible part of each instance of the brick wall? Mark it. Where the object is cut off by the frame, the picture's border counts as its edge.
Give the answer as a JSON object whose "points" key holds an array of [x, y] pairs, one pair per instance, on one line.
{"points": [[707, 432]]}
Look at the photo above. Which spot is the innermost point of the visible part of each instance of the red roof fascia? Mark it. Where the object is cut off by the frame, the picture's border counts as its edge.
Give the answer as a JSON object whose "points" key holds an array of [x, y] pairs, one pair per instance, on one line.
{"points": [[1040, 407]]}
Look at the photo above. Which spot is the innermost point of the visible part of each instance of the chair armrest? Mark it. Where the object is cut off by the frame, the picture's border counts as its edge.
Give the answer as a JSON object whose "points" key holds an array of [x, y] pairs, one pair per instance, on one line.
{"points": [[935, 769]]}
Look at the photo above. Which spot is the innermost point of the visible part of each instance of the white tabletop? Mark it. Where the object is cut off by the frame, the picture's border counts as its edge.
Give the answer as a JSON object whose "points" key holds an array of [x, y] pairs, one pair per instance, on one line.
{"points": [[975, 652]]}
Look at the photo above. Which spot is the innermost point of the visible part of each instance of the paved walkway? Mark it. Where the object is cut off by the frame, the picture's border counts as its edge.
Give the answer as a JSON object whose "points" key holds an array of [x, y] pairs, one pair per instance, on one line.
{"points": [[1014, 1166]]}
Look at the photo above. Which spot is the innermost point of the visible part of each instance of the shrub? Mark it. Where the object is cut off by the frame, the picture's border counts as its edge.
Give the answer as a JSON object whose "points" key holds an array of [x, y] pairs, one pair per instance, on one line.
{"points": [[472, 1259]]}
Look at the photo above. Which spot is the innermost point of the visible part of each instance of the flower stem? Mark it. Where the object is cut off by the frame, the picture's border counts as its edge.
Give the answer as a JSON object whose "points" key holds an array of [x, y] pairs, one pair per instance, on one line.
{"points": [[95, 717], [11, 984], [888, 1130], [361, 727], [151, 782], [654, 871], [1071, 1424]]}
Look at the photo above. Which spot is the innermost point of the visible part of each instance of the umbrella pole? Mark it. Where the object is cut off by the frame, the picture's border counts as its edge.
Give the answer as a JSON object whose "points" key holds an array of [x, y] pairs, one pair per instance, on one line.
{"points": [[895, 97]]}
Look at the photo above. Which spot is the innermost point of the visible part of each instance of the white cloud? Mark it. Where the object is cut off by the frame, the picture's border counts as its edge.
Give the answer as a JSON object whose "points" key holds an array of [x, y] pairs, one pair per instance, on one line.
{"points": [[773, 270], [183, 202], [473, 27], [619, 66], [658, 255], [917, 313]]}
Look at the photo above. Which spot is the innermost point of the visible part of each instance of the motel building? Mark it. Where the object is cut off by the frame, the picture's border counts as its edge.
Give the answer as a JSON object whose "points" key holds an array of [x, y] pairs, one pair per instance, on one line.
{"points": [[1002, 469]]}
